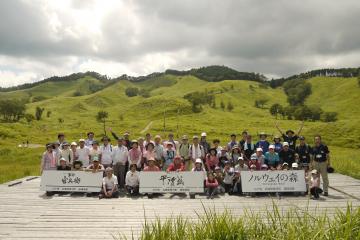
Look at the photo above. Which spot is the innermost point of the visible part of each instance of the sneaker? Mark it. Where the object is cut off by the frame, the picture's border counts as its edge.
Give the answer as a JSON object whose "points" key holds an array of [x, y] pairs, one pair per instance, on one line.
{"points": [[326, 194]]}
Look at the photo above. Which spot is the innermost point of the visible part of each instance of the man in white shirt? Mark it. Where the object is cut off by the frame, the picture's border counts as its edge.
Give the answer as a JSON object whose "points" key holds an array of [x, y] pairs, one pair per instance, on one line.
{"points": [[196, 151], [132, 180], [106, 152], [119, 158], [83, 153]]}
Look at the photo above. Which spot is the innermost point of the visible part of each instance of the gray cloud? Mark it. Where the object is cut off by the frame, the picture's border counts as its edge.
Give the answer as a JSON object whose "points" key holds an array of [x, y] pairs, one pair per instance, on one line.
{"points": [[273, 37]]}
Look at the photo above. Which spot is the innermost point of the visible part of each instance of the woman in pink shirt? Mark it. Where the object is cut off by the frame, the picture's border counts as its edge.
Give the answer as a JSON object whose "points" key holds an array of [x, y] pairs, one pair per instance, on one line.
{"points": [[135, 154], [149, 153], [48, 161], [212, 159], [151, 166], [315, 189]]}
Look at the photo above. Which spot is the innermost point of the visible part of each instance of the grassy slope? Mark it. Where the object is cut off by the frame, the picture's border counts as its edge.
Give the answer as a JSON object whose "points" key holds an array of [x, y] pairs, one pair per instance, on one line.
{"points": [[166, 93]]}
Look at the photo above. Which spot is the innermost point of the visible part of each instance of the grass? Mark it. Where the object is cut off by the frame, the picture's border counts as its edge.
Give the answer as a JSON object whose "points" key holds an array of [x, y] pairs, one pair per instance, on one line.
{"points": [[133, 114], [273, 224]]}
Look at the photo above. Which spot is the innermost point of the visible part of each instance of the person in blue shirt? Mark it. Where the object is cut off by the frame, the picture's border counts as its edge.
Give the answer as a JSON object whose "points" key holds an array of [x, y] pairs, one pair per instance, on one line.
{"points": [[272, 158], [263, 143], [277, 143]]}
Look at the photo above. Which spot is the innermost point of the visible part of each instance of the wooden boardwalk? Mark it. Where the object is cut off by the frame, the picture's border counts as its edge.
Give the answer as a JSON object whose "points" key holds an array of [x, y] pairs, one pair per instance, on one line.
{"points": [[26, 213]]}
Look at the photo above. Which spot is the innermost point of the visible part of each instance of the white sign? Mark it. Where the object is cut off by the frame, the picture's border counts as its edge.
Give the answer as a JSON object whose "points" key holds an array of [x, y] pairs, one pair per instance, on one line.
{"points": [[172, 182], [273, 181], [71, 181]]}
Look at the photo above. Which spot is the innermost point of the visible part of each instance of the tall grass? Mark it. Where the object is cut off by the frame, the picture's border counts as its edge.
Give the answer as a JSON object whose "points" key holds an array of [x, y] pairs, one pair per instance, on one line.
{"points": [[273, 224]]}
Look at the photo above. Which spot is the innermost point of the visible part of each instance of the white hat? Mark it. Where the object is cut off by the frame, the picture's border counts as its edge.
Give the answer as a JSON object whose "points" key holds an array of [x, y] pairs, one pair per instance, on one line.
{"points": [[82, 140], [314, 171], [285, 163], [203, 134], [264, 166], [259, 150], [62, 159], [285, 144], [294, 165], [240, 158], [73, 144], [198, 160], [272, 146]]}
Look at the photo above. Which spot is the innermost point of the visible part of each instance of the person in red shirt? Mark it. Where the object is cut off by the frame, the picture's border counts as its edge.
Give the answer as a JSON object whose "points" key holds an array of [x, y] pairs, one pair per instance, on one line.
{"points": [[151, 167], [177, 165], [211, 186], [212, 159]]}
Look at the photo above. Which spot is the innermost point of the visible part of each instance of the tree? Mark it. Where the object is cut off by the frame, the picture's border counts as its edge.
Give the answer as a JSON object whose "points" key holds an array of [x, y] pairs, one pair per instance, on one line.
{"points": [[131, 91], [29, 118], [329, 116], [230, 106], [276, 109], [48, 113], [38, 113], [259, 103], [101, 117], [222, 105], [12, 110], [60, 120]]}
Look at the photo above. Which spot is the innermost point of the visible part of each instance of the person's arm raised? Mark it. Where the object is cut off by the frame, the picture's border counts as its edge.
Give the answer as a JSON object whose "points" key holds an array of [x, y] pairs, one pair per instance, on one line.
{"points": [[301, 127], [277, 127]]}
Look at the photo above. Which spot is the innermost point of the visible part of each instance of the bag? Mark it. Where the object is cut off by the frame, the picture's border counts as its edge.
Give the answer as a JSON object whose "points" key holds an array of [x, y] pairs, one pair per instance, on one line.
{"points": [[330, 169]]}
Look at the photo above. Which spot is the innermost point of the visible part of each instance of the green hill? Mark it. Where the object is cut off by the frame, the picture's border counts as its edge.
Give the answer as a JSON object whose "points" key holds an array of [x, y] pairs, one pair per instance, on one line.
{"points": [[166, 92]]}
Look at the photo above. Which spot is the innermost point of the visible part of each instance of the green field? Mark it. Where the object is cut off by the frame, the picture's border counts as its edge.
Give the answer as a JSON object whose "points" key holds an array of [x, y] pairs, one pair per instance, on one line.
{"points": [[166, 95]]}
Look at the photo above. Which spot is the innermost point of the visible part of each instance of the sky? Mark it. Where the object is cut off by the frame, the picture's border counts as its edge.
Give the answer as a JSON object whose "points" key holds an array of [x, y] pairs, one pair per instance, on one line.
{"points": [[40, 38]]}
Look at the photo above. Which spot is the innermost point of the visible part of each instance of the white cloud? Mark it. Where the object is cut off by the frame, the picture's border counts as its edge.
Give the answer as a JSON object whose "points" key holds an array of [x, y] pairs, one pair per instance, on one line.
{"points": [[40, 38]]}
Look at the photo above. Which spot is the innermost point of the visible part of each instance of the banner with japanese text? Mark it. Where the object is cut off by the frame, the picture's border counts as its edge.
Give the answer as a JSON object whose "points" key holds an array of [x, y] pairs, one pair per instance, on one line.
{"points": [[172, 182], [273, 181], [71, 181]]}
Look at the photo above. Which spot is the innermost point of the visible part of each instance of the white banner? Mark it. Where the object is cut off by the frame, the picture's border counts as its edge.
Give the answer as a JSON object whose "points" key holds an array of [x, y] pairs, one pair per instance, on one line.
{"points": [[273, 181], [172, 182], [71, 181]]}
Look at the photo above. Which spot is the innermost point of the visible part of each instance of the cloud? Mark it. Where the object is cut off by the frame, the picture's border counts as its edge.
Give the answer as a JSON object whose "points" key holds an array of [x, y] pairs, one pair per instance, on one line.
{"points": [[42, 38]]}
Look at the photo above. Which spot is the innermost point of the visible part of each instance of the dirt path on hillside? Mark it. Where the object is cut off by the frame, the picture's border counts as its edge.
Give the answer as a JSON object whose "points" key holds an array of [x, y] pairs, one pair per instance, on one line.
{"points": [[147, 127], [30, 145]]}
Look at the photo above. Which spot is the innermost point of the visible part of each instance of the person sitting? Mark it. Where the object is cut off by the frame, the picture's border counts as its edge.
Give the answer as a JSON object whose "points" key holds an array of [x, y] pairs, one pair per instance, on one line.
{"points": [[272, 158], [315, 189], [63, 166], [212, 159], [151, 167], [132, 181], [295, 166], [254, 161], [228, 178], [95, 166], [109, 185], [211, 186], [224, 157], [264, 167], [176, 166], [285, 166], [259, 156], [77, 166], [220, 179]]}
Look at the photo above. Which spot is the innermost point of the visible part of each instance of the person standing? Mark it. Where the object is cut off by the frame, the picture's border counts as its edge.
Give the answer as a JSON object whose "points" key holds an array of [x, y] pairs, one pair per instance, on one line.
{"points": [[135, 154], [232, 142], [304, 151], [290, 136], [83, 153], [48, 160], [120, 156], [184, 152], [321, 161], [243, 139], [204, 143], [106, 152], [263, 143], [89, 141], [159, 151], [196, 151]]}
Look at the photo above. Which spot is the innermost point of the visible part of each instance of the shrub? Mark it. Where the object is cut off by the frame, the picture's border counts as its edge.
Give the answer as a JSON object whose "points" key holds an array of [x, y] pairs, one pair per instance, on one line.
{"points": [[39, 98], [329, 116], [131, 91]]}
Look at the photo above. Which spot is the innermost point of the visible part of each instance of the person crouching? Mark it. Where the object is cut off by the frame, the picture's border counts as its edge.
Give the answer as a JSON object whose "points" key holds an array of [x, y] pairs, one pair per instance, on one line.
{"points": [[110, 185], [211, 186], [132, 181]]}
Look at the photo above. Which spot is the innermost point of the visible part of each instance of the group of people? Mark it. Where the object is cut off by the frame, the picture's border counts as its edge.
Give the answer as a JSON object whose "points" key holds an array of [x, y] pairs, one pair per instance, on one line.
{"points": [[221, 165]]}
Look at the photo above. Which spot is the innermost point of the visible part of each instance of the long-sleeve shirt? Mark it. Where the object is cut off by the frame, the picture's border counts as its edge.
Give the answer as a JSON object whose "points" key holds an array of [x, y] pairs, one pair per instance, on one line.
{"points": [[211, 161], [120, 155], [83, 155], [48, 161], [272, 159], [159, 151], [196, 152], [211, 184], [68, 155], [132, 179], [135, 157], [179, 167], [106, 154]]}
